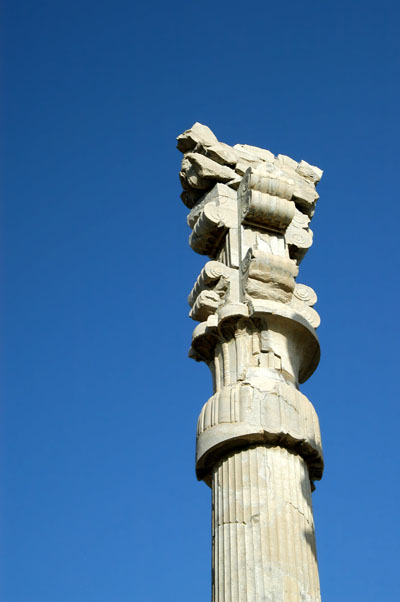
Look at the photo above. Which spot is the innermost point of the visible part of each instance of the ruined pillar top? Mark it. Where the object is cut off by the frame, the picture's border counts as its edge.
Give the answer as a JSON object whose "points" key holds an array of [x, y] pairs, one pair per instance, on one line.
{"points": [[250, 213]]}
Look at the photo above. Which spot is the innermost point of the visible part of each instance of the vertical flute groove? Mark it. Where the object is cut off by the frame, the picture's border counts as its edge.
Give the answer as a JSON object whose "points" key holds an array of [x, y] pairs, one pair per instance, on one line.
{"points": [[263, 528]]}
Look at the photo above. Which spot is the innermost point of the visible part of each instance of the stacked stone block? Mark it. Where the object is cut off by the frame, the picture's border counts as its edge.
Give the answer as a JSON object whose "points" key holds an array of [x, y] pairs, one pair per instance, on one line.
{"points": [[258, 438]]}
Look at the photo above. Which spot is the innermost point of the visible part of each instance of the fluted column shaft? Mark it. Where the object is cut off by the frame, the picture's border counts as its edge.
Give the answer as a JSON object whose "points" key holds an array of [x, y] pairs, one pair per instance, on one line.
{"points": [[263, 529]]}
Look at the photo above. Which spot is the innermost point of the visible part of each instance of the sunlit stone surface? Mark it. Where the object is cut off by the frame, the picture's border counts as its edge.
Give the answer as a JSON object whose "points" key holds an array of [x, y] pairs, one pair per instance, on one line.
{"points": [[258, 437]]}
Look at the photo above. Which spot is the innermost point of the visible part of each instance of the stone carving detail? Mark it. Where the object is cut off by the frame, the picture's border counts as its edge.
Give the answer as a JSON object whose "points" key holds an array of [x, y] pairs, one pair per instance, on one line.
{"points": [[304, 297], [209, 290], [213, 273], [298, 236], [268, 276], [258, 438], [264, 200]]}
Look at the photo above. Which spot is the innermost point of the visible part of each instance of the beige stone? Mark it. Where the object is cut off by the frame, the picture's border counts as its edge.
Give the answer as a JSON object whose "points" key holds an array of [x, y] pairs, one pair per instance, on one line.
{"points": [[198, 133], [219, 152], [259, 153], [263, 530], [208, 169], [258, 438], [310, 172]]}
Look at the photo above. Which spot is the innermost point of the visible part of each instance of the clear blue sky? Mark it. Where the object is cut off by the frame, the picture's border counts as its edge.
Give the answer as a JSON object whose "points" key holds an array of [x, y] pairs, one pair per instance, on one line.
{"points": [[99, 501]]}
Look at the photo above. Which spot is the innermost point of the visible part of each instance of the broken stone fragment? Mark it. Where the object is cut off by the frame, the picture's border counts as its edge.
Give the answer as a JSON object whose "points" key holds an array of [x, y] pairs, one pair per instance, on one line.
{"points": [[206, 303], [243, 165], [210, 170], [190, 178], [196, 181], [285, 160], [310, 172], [219, 194], [198, 133], [299, 241], [305, 195], [300, 219], [259, 153], [219, 152], [274, 290], [214, 274]]}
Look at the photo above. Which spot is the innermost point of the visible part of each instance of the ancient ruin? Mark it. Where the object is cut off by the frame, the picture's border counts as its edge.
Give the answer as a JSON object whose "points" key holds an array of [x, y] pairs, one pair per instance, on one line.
{"points": [[258, 437]]}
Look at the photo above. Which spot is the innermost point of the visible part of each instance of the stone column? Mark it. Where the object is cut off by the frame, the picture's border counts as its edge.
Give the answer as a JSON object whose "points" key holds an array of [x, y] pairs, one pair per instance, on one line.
{"points": [[258, 438]]}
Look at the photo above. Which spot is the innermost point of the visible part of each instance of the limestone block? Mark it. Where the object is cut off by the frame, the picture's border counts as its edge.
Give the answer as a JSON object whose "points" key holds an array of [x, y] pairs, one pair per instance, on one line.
{"points": [[220, 194], [247, 158], [219, 152], [208, 169], [266, 276], [305, 195], [243, 165], [262, 265], [260, 153], [272, 243], [285, 160], [310, 172], [190, 178], [198, 133]]}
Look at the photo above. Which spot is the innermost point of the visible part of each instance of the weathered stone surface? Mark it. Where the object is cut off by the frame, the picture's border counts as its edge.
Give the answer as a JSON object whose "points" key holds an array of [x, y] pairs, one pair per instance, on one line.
{"points": [[214, 274], [219, 194], [207, 302], [310, 172], [304, 297], [209, 169], [219, 152], [258, 439], [263, 528], [190, 178], [285, 160], [197, 134], [259, 153]]}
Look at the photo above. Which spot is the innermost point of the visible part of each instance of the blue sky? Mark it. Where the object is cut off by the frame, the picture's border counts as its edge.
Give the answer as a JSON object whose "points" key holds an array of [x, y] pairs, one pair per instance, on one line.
{"points": [[99, 501]]}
